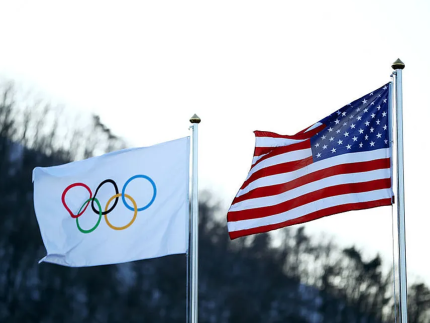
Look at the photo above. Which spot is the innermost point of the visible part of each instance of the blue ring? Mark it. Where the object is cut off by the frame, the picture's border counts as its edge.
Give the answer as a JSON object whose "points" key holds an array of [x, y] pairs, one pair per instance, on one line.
{"points": [[150, 202]]}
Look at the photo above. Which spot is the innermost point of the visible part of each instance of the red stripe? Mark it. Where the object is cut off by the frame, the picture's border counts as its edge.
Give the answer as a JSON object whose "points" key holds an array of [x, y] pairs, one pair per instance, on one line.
{"points": [[258, 151], [275, 151], [325, 192], [311, 216], [299, 135], [278, 169], [357, 167]]}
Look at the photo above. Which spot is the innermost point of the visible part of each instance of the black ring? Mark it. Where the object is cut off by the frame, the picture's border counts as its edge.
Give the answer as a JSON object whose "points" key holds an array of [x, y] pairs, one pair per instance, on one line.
{"points": [[116, 199]]}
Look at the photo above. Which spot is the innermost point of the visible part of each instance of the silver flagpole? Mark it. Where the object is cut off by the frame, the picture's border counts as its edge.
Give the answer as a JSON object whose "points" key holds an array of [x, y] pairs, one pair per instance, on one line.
{"points": [[194, 232], [395, 254], [398, 66]]}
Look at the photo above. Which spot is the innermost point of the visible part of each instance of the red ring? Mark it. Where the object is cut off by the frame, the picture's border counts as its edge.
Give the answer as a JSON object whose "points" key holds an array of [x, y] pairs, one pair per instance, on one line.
{"points": [[64, 201]]}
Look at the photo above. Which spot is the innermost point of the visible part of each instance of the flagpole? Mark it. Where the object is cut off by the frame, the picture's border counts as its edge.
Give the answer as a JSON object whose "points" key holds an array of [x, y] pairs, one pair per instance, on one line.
{"points": [[194, 230], [398, 66]]}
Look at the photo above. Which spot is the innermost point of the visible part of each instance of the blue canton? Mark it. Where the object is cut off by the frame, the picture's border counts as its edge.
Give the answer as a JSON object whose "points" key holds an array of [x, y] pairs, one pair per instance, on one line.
{"points": [[359, 126]]}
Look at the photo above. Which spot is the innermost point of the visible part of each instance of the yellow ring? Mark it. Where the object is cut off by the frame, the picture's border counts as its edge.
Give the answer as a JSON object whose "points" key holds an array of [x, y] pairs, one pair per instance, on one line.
{"points": [[134, 216]]}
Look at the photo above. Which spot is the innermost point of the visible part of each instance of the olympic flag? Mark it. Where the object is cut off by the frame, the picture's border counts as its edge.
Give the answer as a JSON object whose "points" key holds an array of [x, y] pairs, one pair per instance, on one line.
{"points": [[123, 206]]}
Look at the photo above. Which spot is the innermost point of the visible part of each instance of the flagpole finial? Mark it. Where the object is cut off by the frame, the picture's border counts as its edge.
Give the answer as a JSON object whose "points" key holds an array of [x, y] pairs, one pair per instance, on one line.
{"points": [[195, 119], [398, 65]]}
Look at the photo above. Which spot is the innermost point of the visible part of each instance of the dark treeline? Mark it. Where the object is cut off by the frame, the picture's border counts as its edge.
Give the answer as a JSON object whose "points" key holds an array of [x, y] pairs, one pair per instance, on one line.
{"points": [[248, 280]]}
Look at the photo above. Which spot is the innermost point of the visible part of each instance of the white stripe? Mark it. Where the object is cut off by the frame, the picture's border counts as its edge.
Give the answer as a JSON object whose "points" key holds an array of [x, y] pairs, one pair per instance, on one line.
{"points": [[310, 208], [282, 158], [311, 187], [257, 158], [316, 166], [314, 126], [275, 142]]}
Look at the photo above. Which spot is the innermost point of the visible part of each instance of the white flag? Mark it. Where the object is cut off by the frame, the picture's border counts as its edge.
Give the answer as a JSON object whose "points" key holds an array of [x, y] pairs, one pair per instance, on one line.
{"points": [[123, 206]]}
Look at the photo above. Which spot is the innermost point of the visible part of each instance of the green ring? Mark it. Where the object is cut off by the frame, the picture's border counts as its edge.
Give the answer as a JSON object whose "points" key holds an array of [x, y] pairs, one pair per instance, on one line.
{"points": [[98, 222]]}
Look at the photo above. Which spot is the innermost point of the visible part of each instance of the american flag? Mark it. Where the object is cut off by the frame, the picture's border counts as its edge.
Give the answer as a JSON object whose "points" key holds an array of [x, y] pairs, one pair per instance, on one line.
{"points": [[340, 163]]}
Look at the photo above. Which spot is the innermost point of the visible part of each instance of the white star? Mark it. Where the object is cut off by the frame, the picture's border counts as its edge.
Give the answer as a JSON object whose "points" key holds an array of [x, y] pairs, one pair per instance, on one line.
{"points": [[336, 121], [348, 147], [343, 113], [373, 115], [373, 103], [317, 145], [378, 135], [352, 126], [385, 127], [358, 109], [360, 144], [385, 100], [325, 147], [385, 87], [378, 107], [345, 123], [364, 101], [372, 143], [371, 129], [366, 137], [384, 114], [333, 150], [386, 141], [351, 116], [338, 131], [338, 112], [365, 110], [318, 155], [323, 137], [339, 142], [330, 129], [379, 95], [331, 139], [361, 131], [354, 138], [346, 134], [371, 94], [359, 118], [367, 123], [378, 122]]}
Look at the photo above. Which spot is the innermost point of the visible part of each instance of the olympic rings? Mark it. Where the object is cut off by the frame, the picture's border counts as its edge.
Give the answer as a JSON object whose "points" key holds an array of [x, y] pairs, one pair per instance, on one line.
{"points": [[95, 194], [100, 216], [134, 216], [153, 196], [63, 199], [107, 210]]}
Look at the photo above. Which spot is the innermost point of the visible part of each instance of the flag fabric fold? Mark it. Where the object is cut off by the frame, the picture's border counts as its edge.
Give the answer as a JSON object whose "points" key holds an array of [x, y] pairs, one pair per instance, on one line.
{"points": [[123, 206], [338, 164]]}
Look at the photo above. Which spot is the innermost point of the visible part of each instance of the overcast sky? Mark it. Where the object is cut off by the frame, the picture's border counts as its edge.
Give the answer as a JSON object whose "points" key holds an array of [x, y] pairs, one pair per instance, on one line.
{"points": [[147, 67]]}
